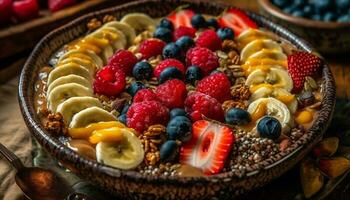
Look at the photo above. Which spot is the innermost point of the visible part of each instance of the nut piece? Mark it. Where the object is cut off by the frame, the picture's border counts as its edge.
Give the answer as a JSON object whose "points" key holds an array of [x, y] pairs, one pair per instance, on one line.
{"points": [[229, 45], [55, 124], [94, 24], [240, 92], [108, 18], [227, 105]]}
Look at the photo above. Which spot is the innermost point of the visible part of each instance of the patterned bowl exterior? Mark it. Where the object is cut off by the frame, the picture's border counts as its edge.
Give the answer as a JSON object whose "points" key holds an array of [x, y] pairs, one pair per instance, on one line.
{"points": [[131, 184]]}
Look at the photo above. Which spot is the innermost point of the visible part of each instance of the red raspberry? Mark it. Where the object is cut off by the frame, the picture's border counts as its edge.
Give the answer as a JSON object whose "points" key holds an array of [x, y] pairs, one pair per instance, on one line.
{"points": [[145, 95], [168, 63], [184, 31], [172, 93], [209, 39], [141, 115], [151, 47], [216, 85], [108, 82], [203, 58], [198, 104], [124, 60]]}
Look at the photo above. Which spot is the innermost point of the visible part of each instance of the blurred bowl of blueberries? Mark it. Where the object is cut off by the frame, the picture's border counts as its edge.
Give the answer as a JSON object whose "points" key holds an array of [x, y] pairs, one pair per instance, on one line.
{"points": [[323, 23]]}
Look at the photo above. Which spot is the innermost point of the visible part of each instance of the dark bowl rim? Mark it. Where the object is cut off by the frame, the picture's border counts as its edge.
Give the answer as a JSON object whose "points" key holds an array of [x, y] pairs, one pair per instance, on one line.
{"points": [[300, 21], [38, 131]]}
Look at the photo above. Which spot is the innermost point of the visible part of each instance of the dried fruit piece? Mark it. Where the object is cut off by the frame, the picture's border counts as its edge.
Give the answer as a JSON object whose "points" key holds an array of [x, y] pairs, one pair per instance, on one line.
{"points": [[311, 178], [327, 147], [334, 167]]}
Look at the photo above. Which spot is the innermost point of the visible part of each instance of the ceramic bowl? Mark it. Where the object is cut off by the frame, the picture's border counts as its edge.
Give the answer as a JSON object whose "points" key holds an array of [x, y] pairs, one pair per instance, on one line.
{"points": [[327, 37], [131, 184]]}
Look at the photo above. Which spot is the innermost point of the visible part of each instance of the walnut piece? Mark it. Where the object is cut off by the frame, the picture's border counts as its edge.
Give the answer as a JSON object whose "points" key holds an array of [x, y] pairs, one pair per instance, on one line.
{"points": [[108, 18], [94, 24], [227, 105], [56, 125], [240, 92]]}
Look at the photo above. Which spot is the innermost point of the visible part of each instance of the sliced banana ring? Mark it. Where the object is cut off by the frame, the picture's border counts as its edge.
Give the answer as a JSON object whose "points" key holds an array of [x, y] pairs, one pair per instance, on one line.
{"points": [[86, 54], [128, 31], [258, 45], [88, 64], [101, 43], [67, 69], [249, 35], [73, 105], [90, 115], [278, 93], [113, 35], [267, 53], [126, 154], [275, 77], [140, 22], [64, 92], [71, 78], [272, 107]]}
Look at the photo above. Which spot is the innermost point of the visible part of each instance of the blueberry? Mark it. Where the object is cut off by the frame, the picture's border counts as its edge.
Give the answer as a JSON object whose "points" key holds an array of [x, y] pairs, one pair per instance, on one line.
{"points": [[134, 87], [322, 4], [344, 18], [169, 151], [163, 34], [316, 17], [122, 118], [212, 22], [237, 116], [329, 16], [342, 4], [298, 13], [170, 73], [193, 74], [198, 21], [165, 23], [185, 43], [179, 128], [280, 3], [269, 127], [225, 34], [142, 70], [125, 108], [307, 10], [298, 3], [171, 50], [178, 112]]}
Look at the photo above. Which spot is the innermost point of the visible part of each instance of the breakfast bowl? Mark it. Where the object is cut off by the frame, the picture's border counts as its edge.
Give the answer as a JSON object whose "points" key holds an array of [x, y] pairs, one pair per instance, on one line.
{"points": [[119, 179], [329, 37]]}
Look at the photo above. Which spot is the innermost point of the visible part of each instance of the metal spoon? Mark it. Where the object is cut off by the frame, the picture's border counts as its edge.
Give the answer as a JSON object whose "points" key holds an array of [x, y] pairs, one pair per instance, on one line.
{"points": [[37, 183]]}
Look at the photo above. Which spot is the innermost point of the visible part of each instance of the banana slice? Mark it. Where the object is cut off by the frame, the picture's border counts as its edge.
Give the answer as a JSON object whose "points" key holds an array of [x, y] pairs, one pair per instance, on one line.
{"points": [[73, 105], [90, 115], [67, 69], [102, 44], [66, 91], [88, 64], [258, 45], [120, 40], [274, 77], [140, 22], [83, 54], [126, 154], [128, 31], [278, 93], [250, 35], [267, 53], [72, 78], [272, 107]]}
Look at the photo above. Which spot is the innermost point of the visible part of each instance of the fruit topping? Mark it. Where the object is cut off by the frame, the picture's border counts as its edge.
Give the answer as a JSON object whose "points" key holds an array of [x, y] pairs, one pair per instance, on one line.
{"points": [[209, 39], [164, 34], [198, 105], [301, 65], [170, 73], [122, 118], [145, 95], [185, 43], [172, 93], [178, 112], [237, 20], [216, 85], [25, 9], [179, 128], [269, 127], [124, 60], [181, 17], [141, 115], [142, 71], [184, 31], [56, 5], [203, 58], [198, 21], [5, 11], [169, 151], [237, 116], [208, 148], [193, 74], [166, 64], [212, 23], [151, 47], [166, 23], [125, 154], [86, 132], [134, 87], [225, 33], [109, 81], [171, 50], [113, 134]]}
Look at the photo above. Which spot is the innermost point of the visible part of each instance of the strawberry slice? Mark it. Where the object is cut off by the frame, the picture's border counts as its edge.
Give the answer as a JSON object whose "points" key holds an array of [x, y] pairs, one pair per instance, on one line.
{"points": [[237, 20], [208, 148], [181, 18]]}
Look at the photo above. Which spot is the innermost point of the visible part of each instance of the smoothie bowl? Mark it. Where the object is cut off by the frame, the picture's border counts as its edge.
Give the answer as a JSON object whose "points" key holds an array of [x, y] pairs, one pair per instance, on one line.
{"points": [[161, 100]]}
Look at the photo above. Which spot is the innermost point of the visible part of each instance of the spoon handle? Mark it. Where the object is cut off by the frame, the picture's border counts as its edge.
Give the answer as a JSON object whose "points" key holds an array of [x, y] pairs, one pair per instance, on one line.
{"points": [[11, 157]]}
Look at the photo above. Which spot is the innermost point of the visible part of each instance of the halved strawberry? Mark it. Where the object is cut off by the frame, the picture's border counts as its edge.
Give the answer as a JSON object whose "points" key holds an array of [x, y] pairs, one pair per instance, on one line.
{"points": [[237, 20], [181, 18], [209, 146]]}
